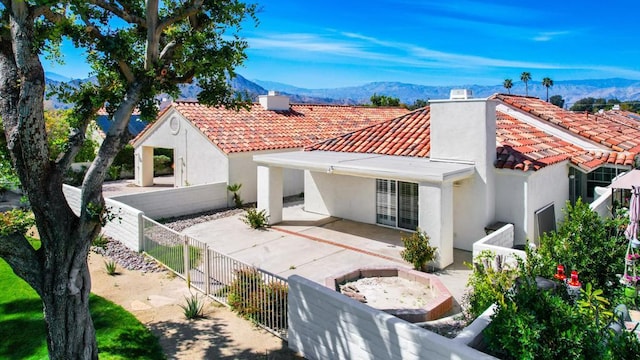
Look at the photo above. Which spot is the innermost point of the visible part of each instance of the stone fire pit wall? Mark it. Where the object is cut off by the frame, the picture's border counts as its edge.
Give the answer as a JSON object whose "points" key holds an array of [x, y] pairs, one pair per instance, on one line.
{"points": [[432, 310], [324, 324]]}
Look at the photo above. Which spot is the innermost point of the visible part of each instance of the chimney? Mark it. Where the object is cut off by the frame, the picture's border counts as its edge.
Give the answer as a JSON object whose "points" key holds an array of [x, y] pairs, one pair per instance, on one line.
{"points": [[273, 101], [463, 129]]}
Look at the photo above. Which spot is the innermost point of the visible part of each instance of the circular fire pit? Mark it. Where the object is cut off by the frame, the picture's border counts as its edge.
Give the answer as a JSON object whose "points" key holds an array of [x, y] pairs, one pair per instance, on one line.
{"points": [[408, 294]]}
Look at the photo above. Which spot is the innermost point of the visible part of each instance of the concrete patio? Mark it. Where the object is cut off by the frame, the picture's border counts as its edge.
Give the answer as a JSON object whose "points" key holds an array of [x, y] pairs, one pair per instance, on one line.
{"points": [[316, 247]]}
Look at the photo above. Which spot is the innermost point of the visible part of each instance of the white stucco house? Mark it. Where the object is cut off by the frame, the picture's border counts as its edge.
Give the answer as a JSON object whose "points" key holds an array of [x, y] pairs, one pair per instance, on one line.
{"points": [[456, 168], [214, 144]]}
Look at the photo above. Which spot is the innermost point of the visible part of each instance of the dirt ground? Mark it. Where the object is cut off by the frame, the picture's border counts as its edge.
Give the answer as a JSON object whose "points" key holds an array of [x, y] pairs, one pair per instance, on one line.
{"points": [[155, 299]]}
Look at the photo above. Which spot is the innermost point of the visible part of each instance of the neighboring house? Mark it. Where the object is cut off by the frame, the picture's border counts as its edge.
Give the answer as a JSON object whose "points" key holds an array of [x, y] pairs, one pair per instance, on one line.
{"points": [[214, 144], [103, 124], [458, 167]]}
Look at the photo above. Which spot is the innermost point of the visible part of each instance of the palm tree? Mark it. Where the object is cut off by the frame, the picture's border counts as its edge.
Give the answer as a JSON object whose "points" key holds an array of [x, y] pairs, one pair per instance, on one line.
{"points": [[508, 84], [547, 82], [525, 77]]}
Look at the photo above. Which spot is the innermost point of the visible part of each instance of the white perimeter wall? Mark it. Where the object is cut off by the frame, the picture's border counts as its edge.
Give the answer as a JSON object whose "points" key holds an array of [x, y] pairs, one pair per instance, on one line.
{"points": [[179, 201], [324, 324], [125, 228], [348, 197], [243, 170], [196, 160]]}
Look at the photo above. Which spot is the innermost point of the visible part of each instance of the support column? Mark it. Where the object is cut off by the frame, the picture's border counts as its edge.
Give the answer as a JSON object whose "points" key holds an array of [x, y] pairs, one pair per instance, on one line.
{"points": [[436, 219], [144, 166], [270, 185]]}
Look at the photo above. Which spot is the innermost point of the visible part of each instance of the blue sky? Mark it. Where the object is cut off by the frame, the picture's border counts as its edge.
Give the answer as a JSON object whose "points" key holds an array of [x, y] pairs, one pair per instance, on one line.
{"points": [[323, 44]]}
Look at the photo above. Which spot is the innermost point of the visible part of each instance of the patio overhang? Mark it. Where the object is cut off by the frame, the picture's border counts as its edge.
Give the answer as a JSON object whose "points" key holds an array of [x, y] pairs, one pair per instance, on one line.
{"points": [[370, 165]]}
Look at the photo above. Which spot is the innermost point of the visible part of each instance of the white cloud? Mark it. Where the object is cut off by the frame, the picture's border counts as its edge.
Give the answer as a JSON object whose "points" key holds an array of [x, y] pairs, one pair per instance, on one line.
{"points": [[550, 35], [358, 49]]}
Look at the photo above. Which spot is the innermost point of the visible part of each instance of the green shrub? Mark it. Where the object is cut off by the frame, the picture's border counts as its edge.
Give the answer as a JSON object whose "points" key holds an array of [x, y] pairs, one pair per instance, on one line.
{"points": [[75, 177], [111, 267], [255, 219], [488, 283], [114, 172], [540, 324], [87, 152], [193, 307], [252, 298], [100, 241], [125, 158], [161, 163], [587, 243], [417, 250]]}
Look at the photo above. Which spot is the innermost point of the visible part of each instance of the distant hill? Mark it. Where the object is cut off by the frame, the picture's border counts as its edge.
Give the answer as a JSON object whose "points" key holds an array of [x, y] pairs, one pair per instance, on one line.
{"points": [[571, 91]]}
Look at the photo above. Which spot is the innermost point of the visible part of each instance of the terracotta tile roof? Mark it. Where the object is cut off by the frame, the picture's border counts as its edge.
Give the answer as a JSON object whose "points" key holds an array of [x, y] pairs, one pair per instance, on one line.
{"points": [[617, 135], [259, 129], [407, 135], [524, 147], [519, 146]]}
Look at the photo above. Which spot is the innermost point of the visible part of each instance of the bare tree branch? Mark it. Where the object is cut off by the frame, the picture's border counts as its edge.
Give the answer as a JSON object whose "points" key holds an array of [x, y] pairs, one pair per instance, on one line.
{"points": [[23, 258], [122, 13], [113, 142], [126, 71], [180, 14]]}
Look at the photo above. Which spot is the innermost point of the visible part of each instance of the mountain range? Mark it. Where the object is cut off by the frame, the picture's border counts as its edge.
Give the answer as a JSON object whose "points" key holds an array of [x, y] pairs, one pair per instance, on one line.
{"points": [[570, 90]]}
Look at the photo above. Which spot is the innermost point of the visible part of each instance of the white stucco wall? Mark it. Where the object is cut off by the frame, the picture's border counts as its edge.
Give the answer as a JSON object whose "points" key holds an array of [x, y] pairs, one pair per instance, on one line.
{"points": [[180, 201], [348, 197], [545, 186], [511, 206], [243, 170], [524, 193], [196, 160], [125, 228]]}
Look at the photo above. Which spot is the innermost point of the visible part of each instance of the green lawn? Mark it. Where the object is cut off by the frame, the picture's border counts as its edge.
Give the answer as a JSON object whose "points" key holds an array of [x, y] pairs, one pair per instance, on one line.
{"points": [[120, 335]]}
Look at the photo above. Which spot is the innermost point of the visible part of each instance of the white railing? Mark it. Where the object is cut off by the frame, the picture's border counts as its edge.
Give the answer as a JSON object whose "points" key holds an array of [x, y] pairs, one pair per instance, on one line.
{"points": [[252, 292]]}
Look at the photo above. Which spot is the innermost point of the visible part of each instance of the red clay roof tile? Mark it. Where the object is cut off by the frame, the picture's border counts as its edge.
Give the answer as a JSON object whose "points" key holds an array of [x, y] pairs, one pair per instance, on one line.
{"points": [[520, 146], [260, 129]]}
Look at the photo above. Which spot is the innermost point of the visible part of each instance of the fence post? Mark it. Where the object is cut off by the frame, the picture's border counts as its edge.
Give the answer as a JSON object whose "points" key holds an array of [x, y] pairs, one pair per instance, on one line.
{"points": [[207, 272], [186, 256], [141, 232]]}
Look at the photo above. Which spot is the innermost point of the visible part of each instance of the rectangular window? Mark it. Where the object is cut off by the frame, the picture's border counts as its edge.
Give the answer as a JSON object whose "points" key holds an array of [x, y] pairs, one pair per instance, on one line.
{"points": [[397, 204]]}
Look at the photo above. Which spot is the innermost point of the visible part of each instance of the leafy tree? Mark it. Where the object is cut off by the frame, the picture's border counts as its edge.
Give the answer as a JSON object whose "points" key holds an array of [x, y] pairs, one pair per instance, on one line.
{"points": [[58, 130], [384, 100], [508, 84], [525, 77], [557, 100], [547, 83], [136, 49], [592, 105], [419, 103]]}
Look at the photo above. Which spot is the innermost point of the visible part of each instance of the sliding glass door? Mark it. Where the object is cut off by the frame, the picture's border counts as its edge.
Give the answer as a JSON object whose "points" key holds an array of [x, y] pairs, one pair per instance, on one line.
{"points": [[397, 204]]}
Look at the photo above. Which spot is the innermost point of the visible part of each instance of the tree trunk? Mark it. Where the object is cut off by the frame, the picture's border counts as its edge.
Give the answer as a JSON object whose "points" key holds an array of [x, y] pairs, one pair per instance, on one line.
{"points": [[70, 331], [58, 271]]}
